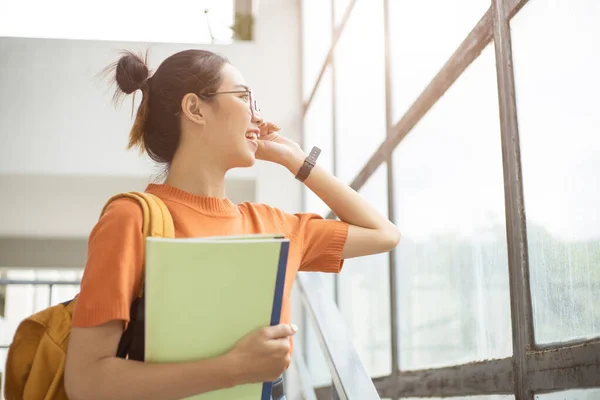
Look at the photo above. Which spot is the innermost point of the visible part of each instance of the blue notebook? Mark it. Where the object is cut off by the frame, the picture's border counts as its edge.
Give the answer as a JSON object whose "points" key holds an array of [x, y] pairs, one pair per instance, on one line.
{"points": [[204, 294]]}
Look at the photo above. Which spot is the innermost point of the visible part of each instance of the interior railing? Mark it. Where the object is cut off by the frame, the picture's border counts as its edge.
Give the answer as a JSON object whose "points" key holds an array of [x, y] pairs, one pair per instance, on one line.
{"points": [[350, 380], [349, 377]]}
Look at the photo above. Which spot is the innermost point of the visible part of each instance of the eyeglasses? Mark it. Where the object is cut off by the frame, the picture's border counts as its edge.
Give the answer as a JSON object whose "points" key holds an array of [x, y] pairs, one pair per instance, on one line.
{"points": [[254, 109]]}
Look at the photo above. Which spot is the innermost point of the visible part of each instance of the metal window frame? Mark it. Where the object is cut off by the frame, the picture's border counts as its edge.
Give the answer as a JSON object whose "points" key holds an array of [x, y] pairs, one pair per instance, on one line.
{"points": [[532, 369]]}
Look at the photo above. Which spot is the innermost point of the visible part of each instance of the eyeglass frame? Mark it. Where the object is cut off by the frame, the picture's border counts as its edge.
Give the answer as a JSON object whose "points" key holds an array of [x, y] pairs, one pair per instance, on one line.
{"points": [[254, 109]]}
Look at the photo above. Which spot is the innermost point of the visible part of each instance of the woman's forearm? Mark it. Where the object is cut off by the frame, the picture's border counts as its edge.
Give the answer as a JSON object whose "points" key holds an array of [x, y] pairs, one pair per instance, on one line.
{"points": [[345, 202], [369, 231], [115, 378]]}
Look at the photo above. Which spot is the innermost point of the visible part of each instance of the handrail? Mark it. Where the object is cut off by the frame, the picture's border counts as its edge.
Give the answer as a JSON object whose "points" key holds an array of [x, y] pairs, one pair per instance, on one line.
{"points": [[37, 282], [350, 379]]}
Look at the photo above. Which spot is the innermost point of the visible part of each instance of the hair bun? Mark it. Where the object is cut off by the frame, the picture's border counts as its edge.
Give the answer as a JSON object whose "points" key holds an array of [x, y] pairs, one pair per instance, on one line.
{"points": [[131, 72]]}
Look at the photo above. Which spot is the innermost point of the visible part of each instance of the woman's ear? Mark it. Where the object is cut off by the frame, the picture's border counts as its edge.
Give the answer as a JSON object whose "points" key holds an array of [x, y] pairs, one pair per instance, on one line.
{"points": [[191, 107]]}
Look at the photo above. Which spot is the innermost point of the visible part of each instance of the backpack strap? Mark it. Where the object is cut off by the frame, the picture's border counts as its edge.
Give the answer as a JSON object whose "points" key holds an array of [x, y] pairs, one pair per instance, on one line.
{"points": [[157, 222]]}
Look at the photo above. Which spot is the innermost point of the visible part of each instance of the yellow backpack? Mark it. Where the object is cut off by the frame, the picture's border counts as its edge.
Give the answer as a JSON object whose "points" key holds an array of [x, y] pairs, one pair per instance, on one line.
{"points": [[36, 357]]}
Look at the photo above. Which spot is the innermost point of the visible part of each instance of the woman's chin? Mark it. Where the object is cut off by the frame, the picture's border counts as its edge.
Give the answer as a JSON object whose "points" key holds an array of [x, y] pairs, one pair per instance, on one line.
{"points": [[247, 161], [251, 162]]}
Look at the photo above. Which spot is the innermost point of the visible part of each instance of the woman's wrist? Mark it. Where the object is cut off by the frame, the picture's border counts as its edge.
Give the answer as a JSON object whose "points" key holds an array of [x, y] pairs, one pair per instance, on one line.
{"points": [[236, 371], [294, 162]]}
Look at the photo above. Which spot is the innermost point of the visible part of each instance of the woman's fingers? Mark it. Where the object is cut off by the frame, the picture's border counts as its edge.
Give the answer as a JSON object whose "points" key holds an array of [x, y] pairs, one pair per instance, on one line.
{"points": [[267, 128]]}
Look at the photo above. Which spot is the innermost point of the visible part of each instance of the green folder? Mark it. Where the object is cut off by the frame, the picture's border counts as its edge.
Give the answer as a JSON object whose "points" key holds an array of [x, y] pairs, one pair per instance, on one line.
{"points": [[204, 294]]}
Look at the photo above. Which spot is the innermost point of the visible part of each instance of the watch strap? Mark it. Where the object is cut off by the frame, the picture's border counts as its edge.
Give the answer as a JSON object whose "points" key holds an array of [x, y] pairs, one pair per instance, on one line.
{"points": [[309, 163]]}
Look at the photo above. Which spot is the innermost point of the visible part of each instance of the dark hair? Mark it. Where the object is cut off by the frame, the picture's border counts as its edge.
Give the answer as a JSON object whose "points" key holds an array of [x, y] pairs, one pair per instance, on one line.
{"points": [[156, 128]]}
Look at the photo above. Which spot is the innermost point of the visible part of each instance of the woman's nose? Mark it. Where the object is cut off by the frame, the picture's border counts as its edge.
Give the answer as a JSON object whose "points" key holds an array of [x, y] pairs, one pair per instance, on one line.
{"points": [[257, 118]]}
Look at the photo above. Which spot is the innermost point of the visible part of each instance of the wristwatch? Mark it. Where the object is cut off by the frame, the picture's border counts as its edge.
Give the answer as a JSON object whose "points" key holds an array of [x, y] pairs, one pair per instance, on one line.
{"points": [[309, 163]]}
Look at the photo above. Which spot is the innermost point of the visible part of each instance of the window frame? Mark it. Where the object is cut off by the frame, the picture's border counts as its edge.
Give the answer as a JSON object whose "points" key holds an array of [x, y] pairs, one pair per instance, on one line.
{"points": [[532, 368]]}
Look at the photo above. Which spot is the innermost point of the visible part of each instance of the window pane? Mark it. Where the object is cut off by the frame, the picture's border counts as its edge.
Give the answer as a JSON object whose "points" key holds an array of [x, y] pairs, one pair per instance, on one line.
{"points": [[365, 292], [579, 394], [449, 201], [316, 40], [483, 397], [98, 21], [3, 355], [360, 89], [24, 300], [423, 35], [557, 85], [340, 9], [315, 360], [318, 131]]}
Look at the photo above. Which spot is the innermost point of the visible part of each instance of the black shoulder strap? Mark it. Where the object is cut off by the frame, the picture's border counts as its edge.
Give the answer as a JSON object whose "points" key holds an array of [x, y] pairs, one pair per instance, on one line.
{"points": [[132, 341]]}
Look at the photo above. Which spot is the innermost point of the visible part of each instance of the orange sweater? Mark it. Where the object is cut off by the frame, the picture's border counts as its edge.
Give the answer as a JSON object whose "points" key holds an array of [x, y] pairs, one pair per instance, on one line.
{"points": [[114, 269]]}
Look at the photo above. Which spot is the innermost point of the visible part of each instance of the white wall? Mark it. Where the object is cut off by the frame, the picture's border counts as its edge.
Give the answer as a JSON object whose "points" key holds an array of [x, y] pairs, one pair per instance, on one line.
{"points": [[57, 119], [60, 206]]}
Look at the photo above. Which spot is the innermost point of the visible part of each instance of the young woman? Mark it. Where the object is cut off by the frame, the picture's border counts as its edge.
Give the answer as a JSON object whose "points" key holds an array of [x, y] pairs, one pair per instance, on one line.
{"points": [[199, 119]]}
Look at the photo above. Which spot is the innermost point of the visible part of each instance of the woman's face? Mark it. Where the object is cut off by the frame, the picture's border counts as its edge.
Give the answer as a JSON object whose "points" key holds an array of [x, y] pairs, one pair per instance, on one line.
{"points": [[232, 121]]}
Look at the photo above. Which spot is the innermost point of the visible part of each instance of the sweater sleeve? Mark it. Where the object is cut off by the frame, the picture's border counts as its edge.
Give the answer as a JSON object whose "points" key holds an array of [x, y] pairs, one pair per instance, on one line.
{"points": [[322, 240], [113, 272]]}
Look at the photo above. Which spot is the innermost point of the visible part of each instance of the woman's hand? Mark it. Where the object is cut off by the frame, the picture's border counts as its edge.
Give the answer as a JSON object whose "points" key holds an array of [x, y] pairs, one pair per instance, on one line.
{"points": [[278, 149], [262, 355]]}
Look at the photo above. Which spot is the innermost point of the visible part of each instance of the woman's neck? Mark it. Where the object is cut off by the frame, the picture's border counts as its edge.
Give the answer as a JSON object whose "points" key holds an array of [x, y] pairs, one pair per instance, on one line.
{"points": [[202, 180]]}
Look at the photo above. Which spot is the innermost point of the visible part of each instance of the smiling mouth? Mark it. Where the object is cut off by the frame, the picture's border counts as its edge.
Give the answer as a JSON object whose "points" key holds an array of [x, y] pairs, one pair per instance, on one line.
{"points": [[252, 137]]}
